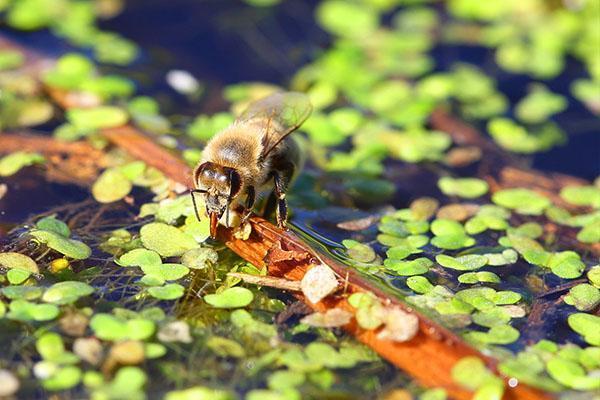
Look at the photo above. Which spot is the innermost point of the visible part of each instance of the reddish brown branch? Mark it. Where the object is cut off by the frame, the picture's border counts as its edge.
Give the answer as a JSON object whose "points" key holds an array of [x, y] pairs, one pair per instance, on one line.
{"points": [[10, 142]]}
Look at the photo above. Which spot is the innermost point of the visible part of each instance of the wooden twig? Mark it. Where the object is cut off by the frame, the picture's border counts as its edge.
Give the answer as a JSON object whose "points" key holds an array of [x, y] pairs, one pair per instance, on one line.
{"points": [[10, 142], [67, 162]]}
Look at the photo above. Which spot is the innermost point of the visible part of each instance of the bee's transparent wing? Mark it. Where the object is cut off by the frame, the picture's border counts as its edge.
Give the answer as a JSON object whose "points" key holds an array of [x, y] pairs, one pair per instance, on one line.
{"points": [[282, 112]]}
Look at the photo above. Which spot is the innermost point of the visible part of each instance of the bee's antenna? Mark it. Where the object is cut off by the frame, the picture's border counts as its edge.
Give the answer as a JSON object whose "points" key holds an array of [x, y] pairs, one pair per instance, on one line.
{"points": [[227, 215], [192, 192]]}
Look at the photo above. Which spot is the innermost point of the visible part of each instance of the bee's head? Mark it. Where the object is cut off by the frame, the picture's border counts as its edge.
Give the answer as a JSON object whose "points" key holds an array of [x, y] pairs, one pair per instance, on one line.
{"points": [[220, 185]]}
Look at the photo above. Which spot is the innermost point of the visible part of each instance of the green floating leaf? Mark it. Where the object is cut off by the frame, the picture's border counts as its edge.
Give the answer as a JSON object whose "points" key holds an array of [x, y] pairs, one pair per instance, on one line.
{"points": [[539, 105], [584, 297], [587, 325], [516, 138], [170, 291], [111, 185], [200, 258], [22, 292], [168, 272], [571, 374], [166, 240], [22, 310], [359, 252], [234, 297], [69, 247], [204, 127], [492, 317], [529, 368], [110, 327], [453, 306], [419, 284], [587, 91], [67, 292], [18, 261], [53, 225], [566, 264], [523, 201], [199, 392], [90, 119], [499, 334], [51, 347], [225, 347], [507, 257], [346, 19], [594, 276], [140, 258], [64, 378], [114, 49], [471, 373], [154, 350], [590, 233], [582, 195], [450, 235], [469, 188], [127, 384], [468, 262], [108, 86], [70, 71], [477, 277], [16, 276], [408, 268], [12, 163]]}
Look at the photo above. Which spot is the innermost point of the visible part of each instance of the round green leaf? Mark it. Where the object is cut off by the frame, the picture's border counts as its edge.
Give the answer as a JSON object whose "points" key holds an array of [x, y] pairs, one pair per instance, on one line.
{"points": [[140, 258], [587, 325], [67, 292], [523, 201], [69, 247], [12, 163], [111, 185], [89, 119], [234, 297], [469, 188], [170, 291], [19, 261], [166, 240], [346, 19]]}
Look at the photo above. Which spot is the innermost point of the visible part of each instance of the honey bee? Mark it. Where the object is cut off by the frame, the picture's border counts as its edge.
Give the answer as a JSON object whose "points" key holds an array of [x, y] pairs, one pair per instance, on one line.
{"points": [[253, 153]]}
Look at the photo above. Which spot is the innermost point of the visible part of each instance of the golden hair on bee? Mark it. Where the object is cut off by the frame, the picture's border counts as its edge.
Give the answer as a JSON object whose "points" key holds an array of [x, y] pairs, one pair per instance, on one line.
{"points": [[255, 152]]}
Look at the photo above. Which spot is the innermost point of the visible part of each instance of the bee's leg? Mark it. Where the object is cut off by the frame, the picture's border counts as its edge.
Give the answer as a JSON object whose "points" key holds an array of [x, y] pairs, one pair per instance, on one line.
{"points": [[250, 199], [280, 186]]}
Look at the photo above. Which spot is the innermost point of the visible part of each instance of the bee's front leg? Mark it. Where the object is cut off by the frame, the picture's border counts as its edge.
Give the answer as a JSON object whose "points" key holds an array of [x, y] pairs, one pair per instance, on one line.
{"points": [[250, 199], [280, 186]]}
